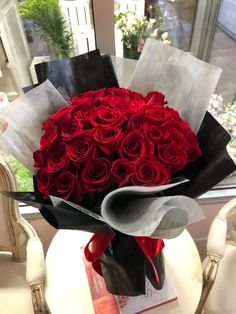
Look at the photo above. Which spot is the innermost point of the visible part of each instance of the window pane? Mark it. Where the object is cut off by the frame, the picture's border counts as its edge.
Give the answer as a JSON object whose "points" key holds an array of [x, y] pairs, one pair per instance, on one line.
{"points": [[135, 22], [43, 40], [223, 54], [178, 17], [169, 21]]}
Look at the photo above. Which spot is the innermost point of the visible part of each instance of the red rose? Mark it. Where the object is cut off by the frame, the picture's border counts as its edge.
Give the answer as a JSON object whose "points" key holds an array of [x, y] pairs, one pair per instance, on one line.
{"points": [[39, 160], [81, 148], [107, 137], [47, 124], [65, 184], [193, 150], [172, 155], [153, 133], [121, 170], [85, 117], [135, 106], [192, 147], [173, 135], [96, 174], [117, 103], [155, 98], [126, 107], [136, 121], [149, 172], [50, 136], [63, 115], [110, 117], [94, 94], [181, 125], [81, 103], [44, 181], [71, 130], [57, 157], [136, 96], [124, 93], [158, 115], [134, 145], [175, 115]]}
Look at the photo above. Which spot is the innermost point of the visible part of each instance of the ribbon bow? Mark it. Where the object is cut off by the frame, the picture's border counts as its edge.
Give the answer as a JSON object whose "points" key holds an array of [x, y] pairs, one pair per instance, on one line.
{"points": [[98, 244]]}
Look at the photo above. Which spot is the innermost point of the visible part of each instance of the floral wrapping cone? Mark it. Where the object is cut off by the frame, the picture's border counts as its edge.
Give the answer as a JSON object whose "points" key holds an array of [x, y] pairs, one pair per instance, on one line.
{"points": [[168, 216]]}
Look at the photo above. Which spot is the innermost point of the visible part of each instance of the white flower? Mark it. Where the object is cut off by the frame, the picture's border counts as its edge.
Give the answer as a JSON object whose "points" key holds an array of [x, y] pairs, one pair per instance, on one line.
{"points": [[152, 21], [154, 33], [164, 35], [130, 20], [168, 42]]}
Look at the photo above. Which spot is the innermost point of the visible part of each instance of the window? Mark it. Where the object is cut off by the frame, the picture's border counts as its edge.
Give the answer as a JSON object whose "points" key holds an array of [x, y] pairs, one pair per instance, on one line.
{"points": [[223, 54], [207, 29], [44, 40]]}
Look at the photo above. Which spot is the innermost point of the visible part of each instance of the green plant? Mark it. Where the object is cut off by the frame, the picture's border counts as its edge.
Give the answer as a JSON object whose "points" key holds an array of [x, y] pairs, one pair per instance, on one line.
{"points": [[48, 16], [135, 30], [24, 177]]}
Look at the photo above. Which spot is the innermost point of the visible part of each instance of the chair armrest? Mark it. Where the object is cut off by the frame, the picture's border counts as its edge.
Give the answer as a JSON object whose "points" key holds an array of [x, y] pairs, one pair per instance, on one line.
{"points": [[216, 244], [35, 265], [35, 274]]}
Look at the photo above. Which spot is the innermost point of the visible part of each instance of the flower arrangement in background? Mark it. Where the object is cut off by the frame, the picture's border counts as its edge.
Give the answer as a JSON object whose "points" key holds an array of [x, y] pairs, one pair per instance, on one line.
{"points": [[136, 30], [225, 114]]}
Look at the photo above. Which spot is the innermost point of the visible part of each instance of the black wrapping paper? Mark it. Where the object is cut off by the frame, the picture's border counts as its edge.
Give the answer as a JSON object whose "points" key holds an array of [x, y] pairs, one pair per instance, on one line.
{"points": [[214, 165], [128, 265], [89, 71], [62, 216]]}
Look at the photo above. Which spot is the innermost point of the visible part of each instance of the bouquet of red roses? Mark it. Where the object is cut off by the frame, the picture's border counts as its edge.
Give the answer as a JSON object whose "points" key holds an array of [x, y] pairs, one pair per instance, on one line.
{"points": [[107, 139], [111, 138], [111, 162]]}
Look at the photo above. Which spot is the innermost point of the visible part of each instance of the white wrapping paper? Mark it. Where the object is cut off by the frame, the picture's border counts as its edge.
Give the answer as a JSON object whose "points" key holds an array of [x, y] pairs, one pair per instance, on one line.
{"points": [[187, 82], [24, 118], [14, 144], [136, 211]]}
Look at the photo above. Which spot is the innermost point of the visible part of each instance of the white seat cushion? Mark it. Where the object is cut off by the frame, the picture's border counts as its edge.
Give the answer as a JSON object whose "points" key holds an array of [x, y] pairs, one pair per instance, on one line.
{"points": [[15, 295], [67, 289]]}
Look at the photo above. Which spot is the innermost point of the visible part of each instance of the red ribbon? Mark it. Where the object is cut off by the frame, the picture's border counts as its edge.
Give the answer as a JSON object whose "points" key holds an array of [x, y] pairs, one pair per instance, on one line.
{"points": [[98, 244]]}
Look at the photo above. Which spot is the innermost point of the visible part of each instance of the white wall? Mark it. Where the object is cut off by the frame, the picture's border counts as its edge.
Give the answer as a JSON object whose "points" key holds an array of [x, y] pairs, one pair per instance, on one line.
{"points": [[104, 25]]}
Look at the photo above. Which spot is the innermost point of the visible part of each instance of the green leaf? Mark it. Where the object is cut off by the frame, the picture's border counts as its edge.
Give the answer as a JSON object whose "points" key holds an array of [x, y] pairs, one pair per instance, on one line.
{"points": [[48, 16]]}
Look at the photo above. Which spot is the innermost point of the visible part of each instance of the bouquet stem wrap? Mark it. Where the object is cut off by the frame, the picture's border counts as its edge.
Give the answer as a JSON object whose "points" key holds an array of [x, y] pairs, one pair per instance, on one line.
{"points": [[126, 257]]}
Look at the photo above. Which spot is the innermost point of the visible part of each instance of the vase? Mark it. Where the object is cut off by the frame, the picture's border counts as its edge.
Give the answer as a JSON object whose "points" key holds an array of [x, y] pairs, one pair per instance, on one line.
{"points": [[124, 267], [131, 53]]}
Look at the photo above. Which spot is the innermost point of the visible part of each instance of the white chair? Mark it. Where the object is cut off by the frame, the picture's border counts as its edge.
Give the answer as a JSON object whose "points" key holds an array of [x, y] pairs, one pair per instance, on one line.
{"points": [[219, 274], [21, 273]]}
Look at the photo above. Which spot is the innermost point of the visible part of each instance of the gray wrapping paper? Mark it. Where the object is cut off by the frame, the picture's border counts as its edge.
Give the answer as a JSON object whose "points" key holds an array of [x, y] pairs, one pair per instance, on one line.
{"points": [[187, 82], [24, 118], [136, 211]]}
